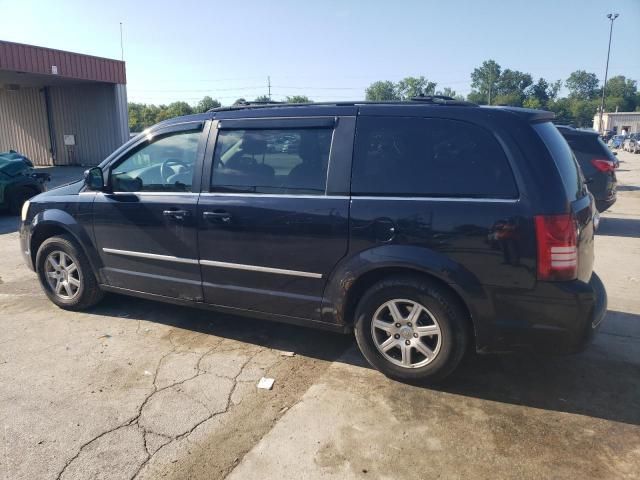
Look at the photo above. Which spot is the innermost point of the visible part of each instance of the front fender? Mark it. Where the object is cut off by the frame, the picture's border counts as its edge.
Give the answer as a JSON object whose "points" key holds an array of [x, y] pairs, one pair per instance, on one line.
{"points": [[406, 257], [47, 222]]}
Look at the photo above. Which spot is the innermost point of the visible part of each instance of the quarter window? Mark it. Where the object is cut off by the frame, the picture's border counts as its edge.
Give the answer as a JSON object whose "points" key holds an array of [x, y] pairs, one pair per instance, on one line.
{"points": [[164, 165], [399, 156], [272, 161]]}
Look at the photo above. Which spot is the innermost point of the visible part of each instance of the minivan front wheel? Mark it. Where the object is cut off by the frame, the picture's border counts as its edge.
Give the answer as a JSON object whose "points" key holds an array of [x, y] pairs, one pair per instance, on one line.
{"points": [[66, 275], [410, 328]]}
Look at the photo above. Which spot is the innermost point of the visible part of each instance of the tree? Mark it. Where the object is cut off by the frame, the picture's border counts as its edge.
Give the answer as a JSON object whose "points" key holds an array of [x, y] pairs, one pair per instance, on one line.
{"points": [[410, 87], [382, 91], [449, 92], [621, 93], [240, 101], [532, 102], [263, 98], [483, 81], [298, 99], [562, 108], [206, 104], [136, 123], [582, 85]]}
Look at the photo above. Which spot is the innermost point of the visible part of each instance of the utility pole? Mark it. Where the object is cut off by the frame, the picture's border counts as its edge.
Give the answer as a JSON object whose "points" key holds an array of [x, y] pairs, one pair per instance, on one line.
{"points": [[121, 44], [611, 17], [269, 86]]}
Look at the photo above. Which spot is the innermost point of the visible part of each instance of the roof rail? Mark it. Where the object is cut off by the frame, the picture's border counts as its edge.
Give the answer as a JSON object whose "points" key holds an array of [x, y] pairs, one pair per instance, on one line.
{"points": [[441, 99], [432, 99]]}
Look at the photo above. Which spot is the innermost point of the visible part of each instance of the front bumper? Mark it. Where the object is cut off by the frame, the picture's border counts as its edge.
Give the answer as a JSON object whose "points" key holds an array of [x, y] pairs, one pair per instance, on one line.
{"points": [[25, 242], [554, 317]]}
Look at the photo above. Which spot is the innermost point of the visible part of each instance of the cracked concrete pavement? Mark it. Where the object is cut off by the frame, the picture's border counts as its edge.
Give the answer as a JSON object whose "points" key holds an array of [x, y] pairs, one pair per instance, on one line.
{"points": [[135, 389]]}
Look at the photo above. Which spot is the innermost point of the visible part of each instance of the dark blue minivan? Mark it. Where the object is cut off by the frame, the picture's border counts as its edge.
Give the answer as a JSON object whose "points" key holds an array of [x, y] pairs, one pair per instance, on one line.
{"points": [[427, 227]]}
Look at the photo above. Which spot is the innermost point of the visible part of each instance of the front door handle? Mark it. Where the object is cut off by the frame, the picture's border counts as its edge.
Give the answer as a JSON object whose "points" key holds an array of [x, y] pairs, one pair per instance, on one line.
{"points": [[222, 216], [176, 214]]}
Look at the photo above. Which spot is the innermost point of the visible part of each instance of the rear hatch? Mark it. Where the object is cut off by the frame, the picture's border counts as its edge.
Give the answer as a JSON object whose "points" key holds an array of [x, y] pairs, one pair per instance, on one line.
{"points": [[566, 238], [597, 162]]}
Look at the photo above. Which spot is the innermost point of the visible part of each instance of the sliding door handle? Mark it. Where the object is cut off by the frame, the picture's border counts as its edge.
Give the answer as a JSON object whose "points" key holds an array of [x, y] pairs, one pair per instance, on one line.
{"points": [[176, 214], [219, 216]]}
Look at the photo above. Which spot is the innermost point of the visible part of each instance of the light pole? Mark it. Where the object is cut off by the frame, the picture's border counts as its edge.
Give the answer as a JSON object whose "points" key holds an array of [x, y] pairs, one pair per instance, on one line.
{"points": [[611, 17]]}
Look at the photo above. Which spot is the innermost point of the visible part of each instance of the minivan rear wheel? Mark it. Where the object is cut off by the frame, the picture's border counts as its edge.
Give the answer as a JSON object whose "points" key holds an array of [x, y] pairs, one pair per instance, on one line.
{"points": [[411, 329], [66, 275]]}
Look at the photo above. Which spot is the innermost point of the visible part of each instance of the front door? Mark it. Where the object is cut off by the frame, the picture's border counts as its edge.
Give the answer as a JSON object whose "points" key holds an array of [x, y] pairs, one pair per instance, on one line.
{"points": [[146, 228], [270, 230]]}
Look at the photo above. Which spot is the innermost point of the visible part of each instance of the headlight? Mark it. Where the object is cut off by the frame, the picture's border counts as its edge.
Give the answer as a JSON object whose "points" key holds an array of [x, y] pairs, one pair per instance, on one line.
{"points": [[25, 210]]}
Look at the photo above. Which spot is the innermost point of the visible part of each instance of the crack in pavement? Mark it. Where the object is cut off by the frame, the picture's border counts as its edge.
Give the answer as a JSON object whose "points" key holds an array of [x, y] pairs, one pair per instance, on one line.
{"points": [[212, 415], [134, 420]]}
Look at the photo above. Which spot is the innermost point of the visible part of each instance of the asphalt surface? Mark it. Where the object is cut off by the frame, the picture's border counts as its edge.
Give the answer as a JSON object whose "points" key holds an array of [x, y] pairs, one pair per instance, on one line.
{"points": [[135, 389]]}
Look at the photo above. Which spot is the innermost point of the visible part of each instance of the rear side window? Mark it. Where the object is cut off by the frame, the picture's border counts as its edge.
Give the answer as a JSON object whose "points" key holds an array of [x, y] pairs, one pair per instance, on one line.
{"points": [[398, 156], [272, 161], [563, 158]]}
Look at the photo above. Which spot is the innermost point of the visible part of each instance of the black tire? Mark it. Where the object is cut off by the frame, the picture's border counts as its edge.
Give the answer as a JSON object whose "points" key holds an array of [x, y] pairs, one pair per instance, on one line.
{"points": [[439, 302], [17, 197], [88, 292]]}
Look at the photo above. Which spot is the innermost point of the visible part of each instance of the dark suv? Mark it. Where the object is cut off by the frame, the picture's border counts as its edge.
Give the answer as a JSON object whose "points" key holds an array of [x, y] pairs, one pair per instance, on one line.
{"points": [[427, 227], [597, 162]]}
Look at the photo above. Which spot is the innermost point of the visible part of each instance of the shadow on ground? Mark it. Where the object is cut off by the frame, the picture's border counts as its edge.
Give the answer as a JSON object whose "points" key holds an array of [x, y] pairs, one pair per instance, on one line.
{"points": [[597, 383], [619, 227], [627, 188], [8, 223]]}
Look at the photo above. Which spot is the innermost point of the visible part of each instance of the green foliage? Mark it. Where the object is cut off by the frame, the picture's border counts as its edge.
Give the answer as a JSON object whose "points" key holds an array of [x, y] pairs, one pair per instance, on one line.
{"points": [[484, 80], [382, 91], [449, 92], [582, 85], [240, 101], [532, 102], [298, 99], [263, 98], [410, 87], [206, 104]]}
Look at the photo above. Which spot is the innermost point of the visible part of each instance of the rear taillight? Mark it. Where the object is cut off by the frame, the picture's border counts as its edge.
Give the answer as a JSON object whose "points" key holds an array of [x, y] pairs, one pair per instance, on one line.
{"points": [[603, 165], [557, 247]]}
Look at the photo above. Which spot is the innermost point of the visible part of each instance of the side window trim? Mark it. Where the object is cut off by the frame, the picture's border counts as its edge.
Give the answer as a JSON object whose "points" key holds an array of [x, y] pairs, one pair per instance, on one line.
{"points": [[146, 140]]}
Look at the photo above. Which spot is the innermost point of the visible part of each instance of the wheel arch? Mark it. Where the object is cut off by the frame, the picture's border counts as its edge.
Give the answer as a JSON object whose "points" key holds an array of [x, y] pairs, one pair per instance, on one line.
{"points": [[356, 274], [51, 223], [371, 277]]}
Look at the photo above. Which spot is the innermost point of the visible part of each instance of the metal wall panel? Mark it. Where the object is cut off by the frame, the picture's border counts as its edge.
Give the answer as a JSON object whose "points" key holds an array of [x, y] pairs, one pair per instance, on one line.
{"points": [[32, 59], [23, 124], [92, 114]]}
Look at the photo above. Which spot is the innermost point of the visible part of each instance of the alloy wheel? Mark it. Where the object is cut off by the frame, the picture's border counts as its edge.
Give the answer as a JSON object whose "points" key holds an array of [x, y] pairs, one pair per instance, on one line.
{"points": [[406, 333], [62, 274]]}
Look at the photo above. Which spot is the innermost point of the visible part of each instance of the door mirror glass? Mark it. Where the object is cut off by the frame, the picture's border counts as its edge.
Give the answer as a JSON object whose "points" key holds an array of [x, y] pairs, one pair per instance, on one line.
{"points": [[93, 178]]}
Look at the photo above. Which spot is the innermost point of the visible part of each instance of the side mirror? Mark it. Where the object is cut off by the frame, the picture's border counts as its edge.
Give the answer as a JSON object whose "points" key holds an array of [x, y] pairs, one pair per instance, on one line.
{"points": [[93, 179]]}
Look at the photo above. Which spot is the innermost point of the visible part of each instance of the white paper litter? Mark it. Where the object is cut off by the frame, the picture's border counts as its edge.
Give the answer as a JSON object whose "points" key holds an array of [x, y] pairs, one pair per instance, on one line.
{"points": [[147, 372], [287, 354], [266, 383]]}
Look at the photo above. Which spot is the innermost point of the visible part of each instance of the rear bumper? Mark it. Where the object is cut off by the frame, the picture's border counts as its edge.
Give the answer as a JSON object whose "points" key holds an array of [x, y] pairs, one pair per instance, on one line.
{"points": [[605, 204], [555, 317]]}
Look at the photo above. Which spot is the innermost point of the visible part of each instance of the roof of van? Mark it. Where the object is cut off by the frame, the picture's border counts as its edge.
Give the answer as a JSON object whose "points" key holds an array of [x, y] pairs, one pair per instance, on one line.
{"points": [[268, 109]]}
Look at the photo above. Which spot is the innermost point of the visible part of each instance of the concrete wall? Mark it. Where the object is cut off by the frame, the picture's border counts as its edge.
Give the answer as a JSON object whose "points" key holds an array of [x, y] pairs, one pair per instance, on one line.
{"points": [[619, 120], [23, 124]]}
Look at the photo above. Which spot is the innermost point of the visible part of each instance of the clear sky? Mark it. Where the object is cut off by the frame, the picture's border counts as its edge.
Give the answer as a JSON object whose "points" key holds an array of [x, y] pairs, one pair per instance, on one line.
{"points": [[183, 50]]}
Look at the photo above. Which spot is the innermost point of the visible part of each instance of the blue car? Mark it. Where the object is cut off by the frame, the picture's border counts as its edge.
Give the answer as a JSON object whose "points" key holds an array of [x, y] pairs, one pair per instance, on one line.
{"points": [[616, 141]]}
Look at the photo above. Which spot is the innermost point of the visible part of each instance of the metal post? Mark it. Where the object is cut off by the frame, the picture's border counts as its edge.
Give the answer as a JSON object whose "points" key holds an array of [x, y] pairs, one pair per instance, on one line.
{"points": [[611, 17], [269, 86], [121, 44]]}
